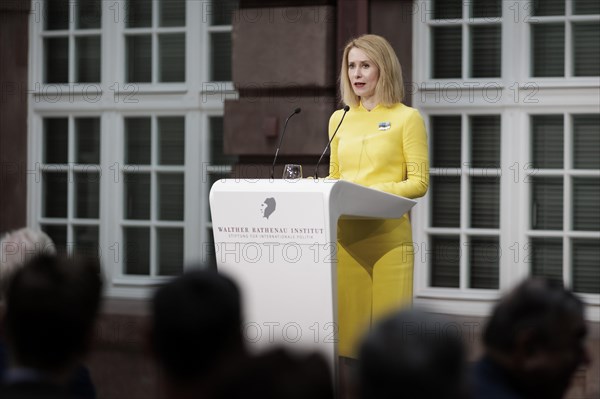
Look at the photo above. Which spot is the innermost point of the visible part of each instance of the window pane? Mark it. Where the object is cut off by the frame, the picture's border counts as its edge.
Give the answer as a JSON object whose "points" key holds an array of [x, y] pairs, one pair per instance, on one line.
{"points": [[139, 13], [586, 273], [446, 141], [586, 145], [547, 141], [171, 133], [56, 140], [486, 51], [89, 14], [138, 141], [57, 60], [137, 196], [220, 11], [87, 140], [136, 250], [486, 8], [170, 191], [485, 202], [220, 52], [57, 14], [447, 9], [586, 204], [547, 258], [485, 261], [88, 59], [58, 234], [87, 195], [172, 13], [86, 240], [445, 201], [445, 265], [548, 44], [170, 252], [586, 7], [172, 57], [447, 52], [586, 49], [548, 7], [139, 58], [54, 194], [485, 137], [217, 150], [547, 205]]}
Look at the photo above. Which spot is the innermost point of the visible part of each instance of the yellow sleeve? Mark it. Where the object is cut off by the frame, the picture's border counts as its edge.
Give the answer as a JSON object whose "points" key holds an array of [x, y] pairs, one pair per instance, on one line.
{"points": [[334, 169], [414, 142]]}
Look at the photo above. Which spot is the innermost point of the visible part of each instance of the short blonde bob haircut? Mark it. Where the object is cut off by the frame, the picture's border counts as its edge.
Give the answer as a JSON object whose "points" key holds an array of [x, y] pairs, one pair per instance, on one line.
{"points": [[390, 86]]}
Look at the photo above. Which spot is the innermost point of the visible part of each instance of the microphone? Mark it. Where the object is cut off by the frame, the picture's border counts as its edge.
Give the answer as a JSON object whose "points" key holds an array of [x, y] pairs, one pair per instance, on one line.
{"points": [[346, 109], [296, 111]]}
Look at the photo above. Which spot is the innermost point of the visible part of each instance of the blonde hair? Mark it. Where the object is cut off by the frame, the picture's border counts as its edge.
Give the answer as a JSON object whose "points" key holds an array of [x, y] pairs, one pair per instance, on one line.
{"points": [[390, 86], [16, 248]]}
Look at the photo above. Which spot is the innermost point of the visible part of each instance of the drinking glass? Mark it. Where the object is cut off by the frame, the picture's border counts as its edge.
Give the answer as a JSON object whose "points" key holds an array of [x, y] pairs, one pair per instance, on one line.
{"points": [[292, 172]]}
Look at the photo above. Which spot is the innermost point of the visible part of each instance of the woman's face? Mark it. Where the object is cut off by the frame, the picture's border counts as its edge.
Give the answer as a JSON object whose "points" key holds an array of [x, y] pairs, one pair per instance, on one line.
{"points": [[363, 74]]}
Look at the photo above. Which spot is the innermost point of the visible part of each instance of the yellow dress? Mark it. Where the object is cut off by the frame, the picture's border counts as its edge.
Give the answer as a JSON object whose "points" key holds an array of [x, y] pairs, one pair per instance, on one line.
{"points": [[385, 149]]}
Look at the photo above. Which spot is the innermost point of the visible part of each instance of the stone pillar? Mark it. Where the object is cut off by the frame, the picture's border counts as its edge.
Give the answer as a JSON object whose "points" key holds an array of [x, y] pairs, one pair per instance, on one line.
{"points": [[14, 45], [283, 58]]}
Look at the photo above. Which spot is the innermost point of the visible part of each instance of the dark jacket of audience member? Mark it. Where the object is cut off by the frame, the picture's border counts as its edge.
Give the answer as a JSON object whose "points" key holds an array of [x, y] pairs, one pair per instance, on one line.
{"points": [[534, 342], [279, 374], [196, 331], [80, 384], [412, 354], [51, 306]]}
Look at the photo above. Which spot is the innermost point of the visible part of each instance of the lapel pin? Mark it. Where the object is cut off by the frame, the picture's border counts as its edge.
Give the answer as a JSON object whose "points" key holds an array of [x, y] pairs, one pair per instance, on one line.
{"points": [[385, 125]]}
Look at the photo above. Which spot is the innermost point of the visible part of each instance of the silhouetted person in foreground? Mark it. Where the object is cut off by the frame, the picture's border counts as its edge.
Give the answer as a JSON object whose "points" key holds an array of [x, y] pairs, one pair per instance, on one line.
{"points": [[51, 306], [16, 248], [534, 342], [279, 374], [195, 334], [412, 354]]}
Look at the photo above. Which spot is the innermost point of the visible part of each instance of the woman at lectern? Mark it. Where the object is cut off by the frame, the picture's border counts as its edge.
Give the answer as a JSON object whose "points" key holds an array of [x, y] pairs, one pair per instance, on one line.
{"points": [[381, 144]]}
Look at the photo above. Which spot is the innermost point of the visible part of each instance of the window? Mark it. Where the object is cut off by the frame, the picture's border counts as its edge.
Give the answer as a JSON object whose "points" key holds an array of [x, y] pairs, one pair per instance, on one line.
{"points": [[220, 15], [72, 41], [465, 191], [476, 24], [125, 139], [153, 178], [564, 38], [70, 180], [155, 38], [509, 91], [564, 245]]}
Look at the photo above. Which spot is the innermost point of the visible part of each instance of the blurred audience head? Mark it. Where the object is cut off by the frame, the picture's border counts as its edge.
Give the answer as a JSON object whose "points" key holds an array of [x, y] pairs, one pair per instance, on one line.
{"points": [[51, 306], [537, 333], [279, 374], [412, 354], [196, 325], [16, 248]]}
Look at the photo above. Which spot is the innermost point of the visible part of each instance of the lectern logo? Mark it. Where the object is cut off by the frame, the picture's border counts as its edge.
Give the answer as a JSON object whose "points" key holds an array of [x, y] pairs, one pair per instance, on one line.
{"points": [[268, 207]]}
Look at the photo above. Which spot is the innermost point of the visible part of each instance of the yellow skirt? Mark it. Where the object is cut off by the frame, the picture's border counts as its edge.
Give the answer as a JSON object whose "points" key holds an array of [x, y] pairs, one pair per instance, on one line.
{"points": [[375, 275]]}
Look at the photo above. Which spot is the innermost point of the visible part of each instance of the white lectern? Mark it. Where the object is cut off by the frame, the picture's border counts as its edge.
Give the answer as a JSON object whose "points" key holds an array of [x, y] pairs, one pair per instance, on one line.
{"points": [[277, 240]]}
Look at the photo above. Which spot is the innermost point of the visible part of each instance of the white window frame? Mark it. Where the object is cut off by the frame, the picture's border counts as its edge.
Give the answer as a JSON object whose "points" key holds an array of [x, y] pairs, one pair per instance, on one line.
{"points": [[112, 100], [520, 96], [568, 80]]}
